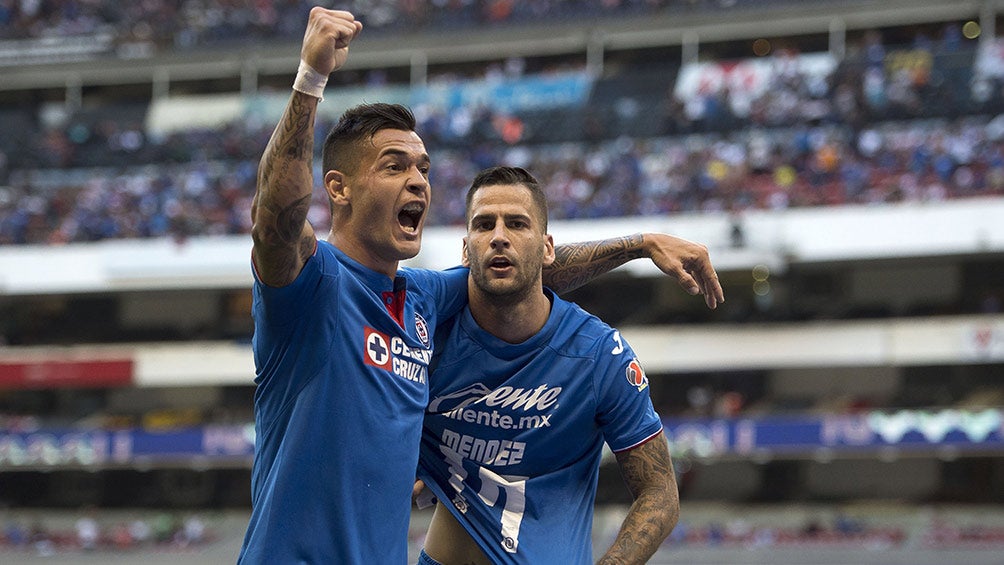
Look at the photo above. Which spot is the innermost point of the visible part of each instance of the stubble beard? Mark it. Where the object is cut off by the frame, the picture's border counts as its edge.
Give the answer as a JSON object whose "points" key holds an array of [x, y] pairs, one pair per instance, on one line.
{"points": [[503, 292]]}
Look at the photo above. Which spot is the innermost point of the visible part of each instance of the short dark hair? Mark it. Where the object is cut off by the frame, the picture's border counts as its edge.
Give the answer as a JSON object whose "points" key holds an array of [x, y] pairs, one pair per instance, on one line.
{"points": [[494, 176], [360, 123]]}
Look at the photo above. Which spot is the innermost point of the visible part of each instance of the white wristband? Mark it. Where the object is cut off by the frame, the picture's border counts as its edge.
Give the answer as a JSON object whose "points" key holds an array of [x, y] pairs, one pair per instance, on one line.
{"points": [[309, 81]]}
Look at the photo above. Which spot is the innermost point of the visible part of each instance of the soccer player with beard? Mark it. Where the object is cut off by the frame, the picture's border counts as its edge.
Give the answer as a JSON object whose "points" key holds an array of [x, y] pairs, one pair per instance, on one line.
{"points": [[525, 389]]}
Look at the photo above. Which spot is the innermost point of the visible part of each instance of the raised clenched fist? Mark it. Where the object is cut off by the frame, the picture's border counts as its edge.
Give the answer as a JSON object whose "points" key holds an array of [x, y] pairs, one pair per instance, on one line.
{"points": [[326, 40]]}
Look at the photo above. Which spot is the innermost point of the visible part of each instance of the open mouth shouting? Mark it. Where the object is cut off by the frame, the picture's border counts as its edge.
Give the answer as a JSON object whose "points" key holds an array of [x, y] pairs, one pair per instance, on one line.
{"points": [[410, 216]]}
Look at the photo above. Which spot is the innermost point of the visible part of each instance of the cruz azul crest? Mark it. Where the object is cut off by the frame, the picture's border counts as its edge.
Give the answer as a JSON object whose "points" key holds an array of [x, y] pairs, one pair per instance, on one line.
{"points": [[421, 329]]}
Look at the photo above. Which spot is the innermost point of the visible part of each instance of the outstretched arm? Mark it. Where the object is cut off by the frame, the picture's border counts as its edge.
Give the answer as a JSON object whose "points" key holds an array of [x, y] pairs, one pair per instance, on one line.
{"points": [[648, 472], [283, 239], [575, 264]]}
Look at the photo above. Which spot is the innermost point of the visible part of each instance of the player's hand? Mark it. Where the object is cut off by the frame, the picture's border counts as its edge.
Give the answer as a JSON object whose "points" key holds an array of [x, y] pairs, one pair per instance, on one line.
{"points": [[326, 40], [422, 497], [687, 262]]}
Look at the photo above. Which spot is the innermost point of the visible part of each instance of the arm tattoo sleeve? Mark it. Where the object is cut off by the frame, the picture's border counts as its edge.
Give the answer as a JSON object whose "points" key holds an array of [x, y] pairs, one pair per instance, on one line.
{"points": [[648, 472], [575, 264], [285, 184]]}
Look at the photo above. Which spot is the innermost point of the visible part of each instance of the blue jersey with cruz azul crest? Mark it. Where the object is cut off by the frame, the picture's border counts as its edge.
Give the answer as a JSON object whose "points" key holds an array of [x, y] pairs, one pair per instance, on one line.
{"points": [[342, 358], [514, 433]]}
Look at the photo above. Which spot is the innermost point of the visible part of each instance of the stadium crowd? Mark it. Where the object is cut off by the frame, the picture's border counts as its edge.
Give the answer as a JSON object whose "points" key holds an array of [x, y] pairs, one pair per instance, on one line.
{"points": [[903, 117], [93, 532], [918, 161], [868, 132], [177, 24], [191, 535]]}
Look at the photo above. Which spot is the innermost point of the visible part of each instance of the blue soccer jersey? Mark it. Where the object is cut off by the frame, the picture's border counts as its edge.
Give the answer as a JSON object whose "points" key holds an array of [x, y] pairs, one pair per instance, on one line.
{"points": [[514, 433], [342, 359]]}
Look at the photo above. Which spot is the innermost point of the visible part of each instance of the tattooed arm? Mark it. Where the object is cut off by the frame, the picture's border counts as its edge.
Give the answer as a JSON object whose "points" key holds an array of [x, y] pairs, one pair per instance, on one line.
{"points": [[648, 472], [575, 264], [283, 239]]}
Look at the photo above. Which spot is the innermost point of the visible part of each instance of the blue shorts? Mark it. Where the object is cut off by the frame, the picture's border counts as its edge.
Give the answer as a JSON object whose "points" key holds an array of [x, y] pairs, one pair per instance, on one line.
{"points": [[424, 559]]}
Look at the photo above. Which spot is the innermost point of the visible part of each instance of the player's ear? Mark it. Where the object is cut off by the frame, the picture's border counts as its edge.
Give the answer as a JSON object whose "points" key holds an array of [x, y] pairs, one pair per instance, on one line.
{"points": [[548, 249], [463, 255], [336, 185]]}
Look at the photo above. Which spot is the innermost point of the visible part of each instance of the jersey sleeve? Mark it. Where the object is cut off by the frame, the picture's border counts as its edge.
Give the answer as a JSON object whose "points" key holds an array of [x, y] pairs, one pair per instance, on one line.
{"points": [[624, 407], [448, 289], [278, 306], [286, 321]]}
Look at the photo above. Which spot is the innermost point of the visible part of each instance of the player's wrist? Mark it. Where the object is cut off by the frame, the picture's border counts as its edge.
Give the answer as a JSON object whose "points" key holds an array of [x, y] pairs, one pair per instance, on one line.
{"points": [[309, 82], [646, 244]]}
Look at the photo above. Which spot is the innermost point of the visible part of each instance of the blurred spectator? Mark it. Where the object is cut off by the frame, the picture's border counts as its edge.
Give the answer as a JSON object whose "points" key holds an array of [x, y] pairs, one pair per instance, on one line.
{"points": [[140, 531], [88, 532], [16, 534], [193, 531]]}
